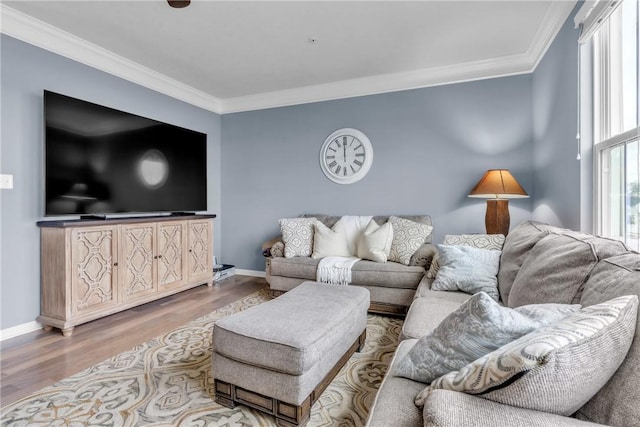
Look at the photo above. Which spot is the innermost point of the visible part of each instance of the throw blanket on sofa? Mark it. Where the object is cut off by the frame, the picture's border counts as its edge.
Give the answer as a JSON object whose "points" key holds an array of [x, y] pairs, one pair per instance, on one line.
{"points": [[335, 270]]}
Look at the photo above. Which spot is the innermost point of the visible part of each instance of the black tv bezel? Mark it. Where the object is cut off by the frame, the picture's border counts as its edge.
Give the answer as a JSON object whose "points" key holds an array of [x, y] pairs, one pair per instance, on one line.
{"points": [[111, 215]]}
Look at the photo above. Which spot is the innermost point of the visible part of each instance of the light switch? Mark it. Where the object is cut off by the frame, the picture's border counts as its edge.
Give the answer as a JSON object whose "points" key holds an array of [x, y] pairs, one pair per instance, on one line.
{"points": [[6, 181]]}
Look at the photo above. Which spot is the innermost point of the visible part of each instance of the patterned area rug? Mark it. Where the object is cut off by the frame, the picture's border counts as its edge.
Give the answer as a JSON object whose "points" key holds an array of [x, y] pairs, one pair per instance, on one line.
{"points": [[166, 382]]}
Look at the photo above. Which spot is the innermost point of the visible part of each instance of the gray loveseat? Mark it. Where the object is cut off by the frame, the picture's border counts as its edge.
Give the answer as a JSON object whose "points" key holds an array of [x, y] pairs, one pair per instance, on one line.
{"points": [[392, 285], [539, 264]]}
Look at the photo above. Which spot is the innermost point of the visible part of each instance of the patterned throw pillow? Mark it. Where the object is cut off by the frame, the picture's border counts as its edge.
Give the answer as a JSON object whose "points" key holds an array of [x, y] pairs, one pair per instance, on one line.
{"points": [[555, 369], [408, 236], [375, 242], [297, 235], [482, 241], [479, 326], [468, 269]]}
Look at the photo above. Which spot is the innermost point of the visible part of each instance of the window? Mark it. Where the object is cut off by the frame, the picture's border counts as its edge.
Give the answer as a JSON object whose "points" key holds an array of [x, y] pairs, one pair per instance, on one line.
{"points": [[616, 130]]}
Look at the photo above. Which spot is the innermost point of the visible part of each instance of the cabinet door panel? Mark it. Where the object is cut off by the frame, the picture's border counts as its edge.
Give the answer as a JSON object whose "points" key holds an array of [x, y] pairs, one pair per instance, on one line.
{"points": [[200, 250], [93, 279], [171, 255], [137, 269]]}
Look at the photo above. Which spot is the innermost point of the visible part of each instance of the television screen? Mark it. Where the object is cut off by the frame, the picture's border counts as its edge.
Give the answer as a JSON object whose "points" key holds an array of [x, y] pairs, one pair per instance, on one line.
{"points": [[99, 160]]}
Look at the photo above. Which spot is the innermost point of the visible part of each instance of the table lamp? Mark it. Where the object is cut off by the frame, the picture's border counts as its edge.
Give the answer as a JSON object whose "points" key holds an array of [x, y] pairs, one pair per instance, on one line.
{"points": [[497, 186]]}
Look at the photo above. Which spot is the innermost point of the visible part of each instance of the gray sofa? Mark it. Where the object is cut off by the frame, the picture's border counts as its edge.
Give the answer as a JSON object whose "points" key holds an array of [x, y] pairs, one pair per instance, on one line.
{"points": [[537, 265], [392, 285]]}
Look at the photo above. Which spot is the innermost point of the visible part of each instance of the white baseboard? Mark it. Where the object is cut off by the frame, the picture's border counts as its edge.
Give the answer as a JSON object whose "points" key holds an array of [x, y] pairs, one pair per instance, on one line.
{"points": [[253, 273], [25, 328], [18, 330]]}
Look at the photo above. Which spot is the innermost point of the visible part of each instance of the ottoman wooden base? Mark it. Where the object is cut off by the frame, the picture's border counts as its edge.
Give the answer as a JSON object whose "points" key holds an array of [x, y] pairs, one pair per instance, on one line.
{"points": [[287, 415]]}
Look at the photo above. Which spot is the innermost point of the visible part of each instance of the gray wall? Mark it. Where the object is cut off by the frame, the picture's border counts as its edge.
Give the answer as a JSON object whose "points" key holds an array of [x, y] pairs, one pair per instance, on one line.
{"points": [[430, 148], [556, 171], [26, 72]]}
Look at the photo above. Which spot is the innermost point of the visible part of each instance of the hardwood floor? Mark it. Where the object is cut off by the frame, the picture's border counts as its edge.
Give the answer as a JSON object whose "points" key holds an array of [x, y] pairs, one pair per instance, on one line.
{"points": [[38, 359]]}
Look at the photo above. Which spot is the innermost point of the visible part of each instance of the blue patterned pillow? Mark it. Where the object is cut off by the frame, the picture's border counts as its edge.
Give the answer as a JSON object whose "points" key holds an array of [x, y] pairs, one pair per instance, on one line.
{"points": [[468, 269], [476, 328]]}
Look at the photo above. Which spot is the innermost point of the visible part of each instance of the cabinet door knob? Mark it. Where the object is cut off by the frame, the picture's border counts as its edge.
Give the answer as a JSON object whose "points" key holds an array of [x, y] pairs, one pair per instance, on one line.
{"points": [[115, 264], [155, 257], [159, 256], [190, 250]]}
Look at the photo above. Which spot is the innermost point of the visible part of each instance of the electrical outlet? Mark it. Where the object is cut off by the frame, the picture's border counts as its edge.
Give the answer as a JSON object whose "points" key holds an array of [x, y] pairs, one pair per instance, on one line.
{"points": [[6, 181]]}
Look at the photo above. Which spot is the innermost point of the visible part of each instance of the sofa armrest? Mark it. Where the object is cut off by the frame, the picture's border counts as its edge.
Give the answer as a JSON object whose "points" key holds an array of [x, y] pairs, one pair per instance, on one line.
{"points": [[451, 408], [423, 256], [273, 247]]}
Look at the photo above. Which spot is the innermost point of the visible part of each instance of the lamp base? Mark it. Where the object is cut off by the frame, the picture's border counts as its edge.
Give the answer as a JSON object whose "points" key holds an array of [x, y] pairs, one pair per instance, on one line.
{"points": [[497, 218]]}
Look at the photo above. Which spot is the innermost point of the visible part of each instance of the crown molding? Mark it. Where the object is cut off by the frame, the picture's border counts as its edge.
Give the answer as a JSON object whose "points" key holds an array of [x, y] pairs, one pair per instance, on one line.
{"points": [[437, 76], [38, 33], [511, 65], [552, 22], [46, 36]]}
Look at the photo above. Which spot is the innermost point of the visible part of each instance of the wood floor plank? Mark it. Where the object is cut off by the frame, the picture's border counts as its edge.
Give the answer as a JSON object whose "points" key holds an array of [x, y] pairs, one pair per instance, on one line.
{"points": [[38, 359]]}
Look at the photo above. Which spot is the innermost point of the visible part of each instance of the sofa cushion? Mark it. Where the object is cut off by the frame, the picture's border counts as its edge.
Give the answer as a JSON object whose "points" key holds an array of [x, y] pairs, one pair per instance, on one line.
{"points": [[555, 369], [388, 274], [375, 242], [515, 250], [482, 241], [555, 271], [393, 404], [525, 236], [446, 408], [425, 314], [297, 235], [479, 326], [468, 269], [408, 236], [300, 267], [616, 403]]}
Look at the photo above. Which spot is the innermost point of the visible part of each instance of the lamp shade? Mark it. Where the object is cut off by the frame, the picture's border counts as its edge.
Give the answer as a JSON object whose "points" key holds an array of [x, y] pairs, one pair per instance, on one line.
{"points": [[498, 184]]}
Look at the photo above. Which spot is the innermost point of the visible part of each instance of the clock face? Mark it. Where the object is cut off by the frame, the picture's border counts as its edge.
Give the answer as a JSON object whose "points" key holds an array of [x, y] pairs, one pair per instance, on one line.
{"points": [[346, 156]]}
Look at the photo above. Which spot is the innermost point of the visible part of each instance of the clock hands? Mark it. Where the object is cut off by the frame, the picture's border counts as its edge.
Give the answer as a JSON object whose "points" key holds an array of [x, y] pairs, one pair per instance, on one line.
{"points": [[344, 150]]}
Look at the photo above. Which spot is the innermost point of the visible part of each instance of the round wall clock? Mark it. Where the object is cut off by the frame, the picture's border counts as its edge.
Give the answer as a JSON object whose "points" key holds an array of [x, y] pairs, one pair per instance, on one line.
{"points": [[346, 156]]}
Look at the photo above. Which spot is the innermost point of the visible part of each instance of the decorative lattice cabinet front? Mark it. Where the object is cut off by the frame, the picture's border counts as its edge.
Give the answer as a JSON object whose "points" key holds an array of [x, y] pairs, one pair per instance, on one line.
{"points": [[91, 269], [200, 255]]}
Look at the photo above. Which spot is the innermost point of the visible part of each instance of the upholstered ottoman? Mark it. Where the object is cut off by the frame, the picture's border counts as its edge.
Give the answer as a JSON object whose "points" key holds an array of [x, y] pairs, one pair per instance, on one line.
{"points": [[279, 356]]}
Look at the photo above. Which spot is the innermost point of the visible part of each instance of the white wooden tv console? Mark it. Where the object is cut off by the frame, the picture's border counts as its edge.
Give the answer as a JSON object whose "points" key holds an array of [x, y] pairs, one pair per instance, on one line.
{"points": [[94, 268]]}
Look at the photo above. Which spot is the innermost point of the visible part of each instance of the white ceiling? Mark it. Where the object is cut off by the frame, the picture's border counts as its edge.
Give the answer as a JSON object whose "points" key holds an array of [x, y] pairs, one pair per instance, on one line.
{"points": [[241, 55]]}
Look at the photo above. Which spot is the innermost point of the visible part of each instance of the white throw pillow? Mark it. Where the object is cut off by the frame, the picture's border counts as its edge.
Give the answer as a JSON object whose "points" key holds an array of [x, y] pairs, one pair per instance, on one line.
{"points": [[408, 236], [330, 241], [555, 369], [468, 269], [479, 326], [353, 227], [375, 242], [297, 235]]}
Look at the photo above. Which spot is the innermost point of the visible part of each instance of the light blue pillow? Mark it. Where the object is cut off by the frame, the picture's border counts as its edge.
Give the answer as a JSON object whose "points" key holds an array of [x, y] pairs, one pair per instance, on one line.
{"points": [[476, 328], [468, 269]]}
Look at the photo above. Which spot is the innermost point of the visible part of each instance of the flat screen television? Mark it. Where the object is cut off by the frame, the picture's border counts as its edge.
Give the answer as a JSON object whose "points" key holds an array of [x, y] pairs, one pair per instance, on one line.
{"points": [[102, 161]]}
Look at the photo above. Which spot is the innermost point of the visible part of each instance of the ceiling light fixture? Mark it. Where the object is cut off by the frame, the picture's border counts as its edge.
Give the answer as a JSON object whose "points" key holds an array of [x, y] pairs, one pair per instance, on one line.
{"points": [[179, 4]]}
